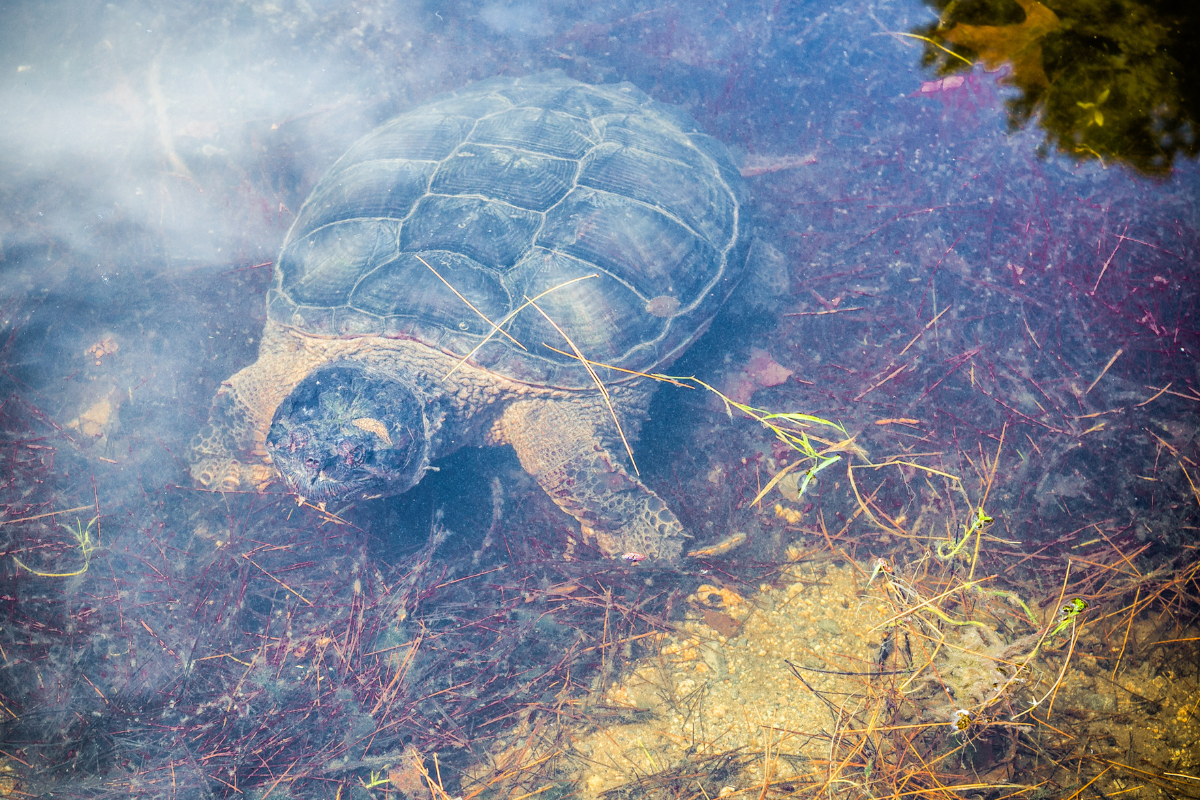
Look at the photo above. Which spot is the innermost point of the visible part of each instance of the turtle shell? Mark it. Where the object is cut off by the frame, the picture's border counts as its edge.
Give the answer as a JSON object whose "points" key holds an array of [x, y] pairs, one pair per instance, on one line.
{"points": [[610, 211]]}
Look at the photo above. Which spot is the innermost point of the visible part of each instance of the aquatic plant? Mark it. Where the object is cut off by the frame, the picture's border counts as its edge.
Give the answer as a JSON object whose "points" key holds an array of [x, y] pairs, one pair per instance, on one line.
{"points": [[83, 541]]}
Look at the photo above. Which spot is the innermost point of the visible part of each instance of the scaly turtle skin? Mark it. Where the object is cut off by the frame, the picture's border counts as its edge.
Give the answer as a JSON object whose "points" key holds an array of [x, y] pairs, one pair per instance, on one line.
{"points": [[451, 216]]}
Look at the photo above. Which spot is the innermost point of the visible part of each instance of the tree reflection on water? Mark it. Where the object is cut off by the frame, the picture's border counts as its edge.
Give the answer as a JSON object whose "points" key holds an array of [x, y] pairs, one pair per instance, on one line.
{"points": [[1114, 80]]}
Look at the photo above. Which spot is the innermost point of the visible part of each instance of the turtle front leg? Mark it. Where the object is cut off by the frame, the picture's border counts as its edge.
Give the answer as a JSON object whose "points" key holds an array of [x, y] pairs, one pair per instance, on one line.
{"points": [[559, 446], [221, 457], [226, 454], [230, 452]]}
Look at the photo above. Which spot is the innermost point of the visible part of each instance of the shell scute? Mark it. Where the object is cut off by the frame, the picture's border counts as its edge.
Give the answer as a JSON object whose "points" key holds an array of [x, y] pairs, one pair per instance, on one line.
{"points": [[353, 322], [648, 135], [310, 318], [638, 245], [719, 157], [584, 103], [386, 189], [537, 130], [555, 90], [405, 287], [674, 188], [428, 134], [314, 270], [607, 320], [493, 234], [523, 179]]}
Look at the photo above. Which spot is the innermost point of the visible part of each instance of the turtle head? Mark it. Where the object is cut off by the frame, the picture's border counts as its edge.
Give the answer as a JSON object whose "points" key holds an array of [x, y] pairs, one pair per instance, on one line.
{"points": [[345, 429]]}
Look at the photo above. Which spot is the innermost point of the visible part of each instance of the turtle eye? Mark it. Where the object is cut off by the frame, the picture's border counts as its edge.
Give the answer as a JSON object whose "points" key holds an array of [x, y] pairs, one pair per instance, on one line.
{"points": [[351, 453], [295, 441]]}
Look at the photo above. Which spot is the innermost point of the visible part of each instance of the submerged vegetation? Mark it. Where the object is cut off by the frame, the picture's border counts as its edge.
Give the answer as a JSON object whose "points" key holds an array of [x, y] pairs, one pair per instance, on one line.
{"points": [[83, 542]]}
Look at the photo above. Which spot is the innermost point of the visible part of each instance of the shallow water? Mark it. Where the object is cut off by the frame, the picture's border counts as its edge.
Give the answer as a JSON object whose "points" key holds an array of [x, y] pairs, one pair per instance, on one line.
{"points": [[956, 292]]}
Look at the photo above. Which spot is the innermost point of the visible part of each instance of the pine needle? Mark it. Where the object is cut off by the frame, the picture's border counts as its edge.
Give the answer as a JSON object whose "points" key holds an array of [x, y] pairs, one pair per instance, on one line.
{"points": [[496, 325], [599, 385], [471, 306]]}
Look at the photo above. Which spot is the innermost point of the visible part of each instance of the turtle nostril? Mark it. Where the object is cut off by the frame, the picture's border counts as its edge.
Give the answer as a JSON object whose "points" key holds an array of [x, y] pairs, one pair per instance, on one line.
{"points": [[312, 464]]}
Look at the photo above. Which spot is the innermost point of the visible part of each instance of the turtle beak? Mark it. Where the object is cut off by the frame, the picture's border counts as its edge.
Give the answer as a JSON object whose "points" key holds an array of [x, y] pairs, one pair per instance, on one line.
{"points": [[309, 478], [323, 470]]}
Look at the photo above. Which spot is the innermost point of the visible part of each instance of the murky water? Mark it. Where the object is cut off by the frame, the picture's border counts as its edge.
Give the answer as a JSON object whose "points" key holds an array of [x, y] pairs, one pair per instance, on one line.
{"points": [[1000, 315]]}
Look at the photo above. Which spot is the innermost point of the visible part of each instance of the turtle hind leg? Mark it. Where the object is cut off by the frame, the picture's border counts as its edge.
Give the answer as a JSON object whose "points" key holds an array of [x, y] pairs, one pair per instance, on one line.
{"points": [[558, 444]]}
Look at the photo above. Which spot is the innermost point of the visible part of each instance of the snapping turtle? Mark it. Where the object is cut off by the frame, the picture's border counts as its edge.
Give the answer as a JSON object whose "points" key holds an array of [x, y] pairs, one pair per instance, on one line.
{"points": [[399, 322]]}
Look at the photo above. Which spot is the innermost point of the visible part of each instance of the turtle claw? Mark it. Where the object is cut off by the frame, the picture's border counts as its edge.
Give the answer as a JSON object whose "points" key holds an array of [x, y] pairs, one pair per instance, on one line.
{"points": [[615, 510], [217, 475], [230, 475]]}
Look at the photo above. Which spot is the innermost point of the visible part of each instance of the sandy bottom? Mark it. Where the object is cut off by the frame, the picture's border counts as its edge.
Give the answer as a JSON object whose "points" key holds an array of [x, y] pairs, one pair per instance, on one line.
{"points": [[723, 682]]}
